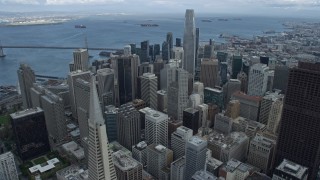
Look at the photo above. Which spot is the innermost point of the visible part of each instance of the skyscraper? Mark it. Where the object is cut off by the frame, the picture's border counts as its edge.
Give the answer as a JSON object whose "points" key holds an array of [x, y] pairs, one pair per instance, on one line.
{"points": [[100, 163], [196, 149], [111, 114], [126, 167], [170, 43], [243, 77], [210, 73], [8, 169], [178, 94], [128, 122], [179, 139], [158, 157], [105, 79], [26, 79], [215, 96], [258, 80], [178, 169], [165, 51], [236, 66], [72, 77], [281, 74], [189, 42], [126, 73], [80, 60], [156, 127], [30, 133], [144, 55], [191, 119], [271, 109], [82, 97], [299, 136], [53, 108], [232, 86], [149, 89]]}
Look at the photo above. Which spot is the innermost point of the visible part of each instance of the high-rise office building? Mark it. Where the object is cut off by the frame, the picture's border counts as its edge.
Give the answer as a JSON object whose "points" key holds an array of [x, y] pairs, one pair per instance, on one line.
{"points": [[178, 168], [80, 60], [144, 54], [178, 42], [271, 109], [233, 109], [191, 119], [210, 73], [126, 73], [258, 80], [290, 170], [157, 66], [8, 169], [36, 92], [170, 43], [223, 124], [139, 152], [179, 139], [53, 108], [126, 167], [156, 127], [162, 100], [100, 163], [145, 67], [261, 151], [82, 97], [189, 42], [111, 114], [128, 122], [236, 65], [281, 74], [235, 145], [196, 149], [178, 94], [149, 89], [214, 96], [223, 73], [105, 78], [127, 50], [158, 157], [26, 79], [165, 51], [232, 86], [243, 77], [72, 77], [249, 105], [222, 56], [156, 51], [299, 135], [236, 170], [178, 53], [30, 133]]}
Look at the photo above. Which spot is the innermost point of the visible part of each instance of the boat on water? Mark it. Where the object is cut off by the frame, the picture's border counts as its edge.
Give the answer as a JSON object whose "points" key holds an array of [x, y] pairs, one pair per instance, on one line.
{"points": [[80, 26], [206, 20], [149, 25], [222, 19]]}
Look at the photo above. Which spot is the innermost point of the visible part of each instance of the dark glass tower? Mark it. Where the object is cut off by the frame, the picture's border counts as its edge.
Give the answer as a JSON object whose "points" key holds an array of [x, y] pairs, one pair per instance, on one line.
{"points": [[191, 119], [170, 43], [30, 132], [299, 137], [165, 51], [144, 53], [236, 66], [125, 80]]}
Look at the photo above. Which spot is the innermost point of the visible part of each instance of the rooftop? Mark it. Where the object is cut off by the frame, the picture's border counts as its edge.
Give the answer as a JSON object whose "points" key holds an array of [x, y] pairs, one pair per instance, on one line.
{"points": [[242, 95], [204, 175], [123, 161], [292, 168], [73, 172], [213, 89], [43, 168], [25, 112], [230, 141]]}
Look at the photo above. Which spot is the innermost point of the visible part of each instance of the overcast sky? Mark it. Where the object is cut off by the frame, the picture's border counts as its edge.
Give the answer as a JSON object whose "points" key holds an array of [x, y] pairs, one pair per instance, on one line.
{"points": [[260, 7]]}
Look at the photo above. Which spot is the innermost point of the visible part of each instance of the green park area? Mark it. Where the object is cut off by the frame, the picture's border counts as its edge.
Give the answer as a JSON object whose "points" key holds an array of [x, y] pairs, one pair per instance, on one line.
{"points": [[4, 119], [41, 161]]}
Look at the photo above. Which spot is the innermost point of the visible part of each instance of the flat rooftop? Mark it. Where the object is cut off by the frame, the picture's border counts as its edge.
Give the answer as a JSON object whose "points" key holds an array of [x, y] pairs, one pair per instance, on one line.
{"points": [[25, 112], [292, 168], [123, 161]]}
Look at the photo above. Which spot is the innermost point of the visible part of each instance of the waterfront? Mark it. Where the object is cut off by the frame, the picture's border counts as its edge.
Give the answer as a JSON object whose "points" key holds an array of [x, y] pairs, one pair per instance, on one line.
{"points": [[110, 32]]}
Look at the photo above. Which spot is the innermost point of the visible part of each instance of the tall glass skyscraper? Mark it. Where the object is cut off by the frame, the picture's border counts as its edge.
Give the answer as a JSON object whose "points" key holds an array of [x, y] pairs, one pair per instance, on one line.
{"points": [[189, 42]]}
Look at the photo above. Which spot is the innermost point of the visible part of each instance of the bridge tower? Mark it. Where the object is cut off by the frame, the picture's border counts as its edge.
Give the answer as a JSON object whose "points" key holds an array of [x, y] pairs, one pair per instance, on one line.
{"points": [[1, 51]]}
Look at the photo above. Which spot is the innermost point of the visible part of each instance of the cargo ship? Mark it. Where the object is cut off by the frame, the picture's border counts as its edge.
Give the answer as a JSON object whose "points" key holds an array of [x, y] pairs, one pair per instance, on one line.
{"points": [[80, 26], [149, 25]]}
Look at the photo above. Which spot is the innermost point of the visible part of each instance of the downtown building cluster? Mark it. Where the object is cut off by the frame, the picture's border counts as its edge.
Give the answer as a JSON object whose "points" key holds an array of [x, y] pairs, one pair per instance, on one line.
{"points": [[188, 112]]}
